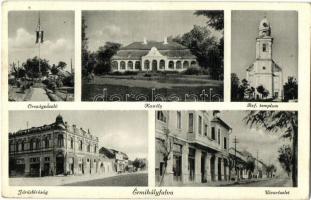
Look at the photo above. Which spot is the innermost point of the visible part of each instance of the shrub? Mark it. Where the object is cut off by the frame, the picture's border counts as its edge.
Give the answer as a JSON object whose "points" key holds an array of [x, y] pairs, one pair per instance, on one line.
{"points": [[116, 73], [147, 75], [129, 73], [192, 71], [12, 81], [46, 82], [52, 86], [59, 83]]}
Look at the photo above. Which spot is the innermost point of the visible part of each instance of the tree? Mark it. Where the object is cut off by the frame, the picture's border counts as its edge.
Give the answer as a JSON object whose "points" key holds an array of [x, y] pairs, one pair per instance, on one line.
{"points": [[139, 163], [215, 18], [85, 53], [242, 88], [61, 65], [290, 89], [54, 69], [250, 166], [270, 169], [31, 67], [104, 55], [205, 47], [165, 148], [235, 82], [261, 90], [283, 122], [285, 158]]}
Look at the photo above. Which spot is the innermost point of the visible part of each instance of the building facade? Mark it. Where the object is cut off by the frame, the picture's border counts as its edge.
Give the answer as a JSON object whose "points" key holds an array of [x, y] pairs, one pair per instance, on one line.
{"points": [[54, 149], [264, 71], [199, 147], [153, 56]]}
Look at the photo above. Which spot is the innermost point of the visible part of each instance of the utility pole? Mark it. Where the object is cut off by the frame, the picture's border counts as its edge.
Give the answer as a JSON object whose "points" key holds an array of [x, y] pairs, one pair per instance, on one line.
{"points": [[235, 141]]}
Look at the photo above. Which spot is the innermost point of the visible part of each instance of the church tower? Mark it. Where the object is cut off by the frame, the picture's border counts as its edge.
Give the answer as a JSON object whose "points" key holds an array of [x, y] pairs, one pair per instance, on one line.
{"points": [[264, 71]]}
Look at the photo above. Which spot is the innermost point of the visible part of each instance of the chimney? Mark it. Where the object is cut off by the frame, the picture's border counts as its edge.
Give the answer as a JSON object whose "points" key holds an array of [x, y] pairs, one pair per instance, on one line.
{"points": [[165, 40], [145, 40]]}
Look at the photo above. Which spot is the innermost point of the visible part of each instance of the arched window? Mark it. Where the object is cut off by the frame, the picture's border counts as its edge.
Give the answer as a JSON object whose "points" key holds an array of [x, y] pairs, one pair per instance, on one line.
{"points": [[23, 145], [115, 65], [80, 145], [154, 65], [71, 143], [264, 47], [137, 65], [178, 65], [147, 64], [130, 65], [46, 142], [193, 63], [32, 144], [60, 140], [186, 64], [88, 148], [95, 149], [162, 64], [122, 65], [38, 143], [171, 65]]}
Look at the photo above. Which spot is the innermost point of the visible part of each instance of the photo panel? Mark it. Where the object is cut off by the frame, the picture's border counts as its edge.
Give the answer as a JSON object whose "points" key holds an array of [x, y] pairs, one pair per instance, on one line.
{"points": [[78, 148], [41, 56], [153, 55], [264, 56], [229, 148]]}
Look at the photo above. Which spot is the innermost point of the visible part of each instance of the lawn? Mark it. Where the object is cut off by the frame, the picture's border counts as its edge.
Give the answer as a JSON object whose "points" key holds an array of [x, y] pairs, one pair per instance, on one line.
{"points": [[157, 88]]}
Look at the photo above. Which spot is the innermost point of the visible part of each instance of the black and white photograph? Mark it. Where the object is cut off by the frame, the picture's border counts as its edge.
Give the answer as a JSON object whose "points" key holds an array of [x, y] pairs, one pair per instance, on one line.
{"points": [[264, 61], [41, 56], [226, 148], [153, 55], [78, 148]]}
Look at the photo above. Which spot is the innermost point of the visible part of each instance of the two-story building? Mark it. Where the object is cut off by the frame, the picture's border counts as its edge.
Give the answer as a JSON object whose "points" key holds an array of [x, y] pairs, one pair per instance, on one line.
{"points": [[54, 149], [195, 145]]}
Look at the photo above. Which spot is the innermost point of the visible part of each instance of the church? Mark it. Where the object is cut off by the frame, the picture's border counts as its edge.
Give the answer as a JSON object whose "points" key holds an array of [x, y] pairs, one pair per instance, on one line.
{"points": [[264, 71], [153, 56]]}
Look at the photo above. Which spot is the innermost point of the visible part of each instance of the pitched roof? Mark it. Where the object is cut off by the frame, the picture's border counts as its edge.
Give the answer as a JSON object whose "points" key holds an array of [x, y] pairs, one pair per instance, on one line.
{"points": [[136, 50]]}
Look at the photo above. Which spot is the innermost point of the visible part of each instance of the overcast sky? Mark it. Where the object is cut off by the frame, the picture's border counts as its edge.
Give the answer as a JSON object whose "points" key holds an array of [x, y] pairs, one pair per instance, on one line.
{"points": [[58, 27], [126, 131], [126, 27], [253, 140], [284, 30]]}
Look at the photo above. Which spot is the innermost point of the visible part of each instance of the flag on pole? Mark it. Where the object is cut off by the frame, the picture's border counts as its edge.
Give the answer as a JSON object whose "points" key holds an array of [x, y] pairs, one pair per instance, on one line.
{"points": [[39, 33]]}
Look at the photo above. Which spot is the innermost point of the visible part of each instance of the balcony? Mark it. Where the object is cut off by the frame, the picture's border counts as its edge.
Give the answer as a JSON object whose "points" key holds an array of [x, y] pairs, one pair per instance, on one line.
{"points": [[204, 141]]}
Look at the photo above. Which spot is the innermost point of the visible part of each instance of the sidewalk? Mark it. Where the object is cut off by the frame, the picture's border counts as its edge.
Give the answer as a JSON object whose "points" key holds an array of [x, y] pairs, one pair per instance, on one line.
{"points": [[223, 183], [58, 180]]}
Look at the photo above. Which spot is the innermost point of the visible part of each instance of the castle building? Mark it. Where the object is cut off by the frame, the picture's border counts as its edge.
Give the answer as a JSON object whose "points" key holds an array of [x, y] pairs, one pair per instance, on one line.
{"points": [[55, 149], [199, 147], [153, 56], [264, 71]]}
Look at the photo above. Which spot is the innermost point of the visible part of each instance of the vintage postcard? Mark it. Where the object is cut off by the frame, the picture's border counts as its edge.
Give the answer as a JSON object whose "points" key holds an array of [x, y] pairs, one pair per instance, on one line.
{"points": [[155, 100]]}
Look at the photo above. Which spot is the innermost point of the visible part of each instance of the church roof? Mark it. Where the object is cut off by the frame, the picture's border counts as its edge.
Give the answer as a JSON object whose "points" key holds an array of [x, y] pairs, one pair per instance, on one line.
{"points": [[136, 50]]}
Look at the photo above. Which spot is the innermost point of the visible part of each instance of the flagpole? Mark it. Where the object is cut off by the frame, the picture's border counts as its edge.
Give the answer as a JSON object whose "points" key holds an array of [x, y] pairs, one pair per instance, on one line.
{"points": [[39, 47]]}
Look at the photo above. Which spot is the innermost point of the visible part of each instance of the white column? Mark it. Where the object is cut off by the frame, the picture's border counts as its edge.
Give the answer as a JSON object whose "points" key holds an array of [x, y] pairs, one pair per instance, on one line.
{"points": [[216, 168], [208, 167], [197, 172], [184, 163]]}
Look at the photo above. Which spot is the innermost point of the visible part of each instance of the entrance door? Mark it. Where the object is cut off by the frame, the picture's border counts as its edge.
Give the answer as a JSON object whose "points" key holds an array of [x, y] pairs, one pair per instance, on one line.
{"points": [[177, 168], [154, 65], [60, 165], [191, 169], [203, 178], [212, 164], [46, 169]]}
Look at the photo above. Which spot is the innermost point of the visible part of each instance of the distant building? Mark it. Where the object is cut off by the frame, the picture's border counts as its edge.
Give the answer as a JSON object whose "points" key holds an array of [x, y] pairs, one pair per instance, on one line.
{"points": [[54, 149], [120, 160], [200, 147], [153, 56], [264, 71]]}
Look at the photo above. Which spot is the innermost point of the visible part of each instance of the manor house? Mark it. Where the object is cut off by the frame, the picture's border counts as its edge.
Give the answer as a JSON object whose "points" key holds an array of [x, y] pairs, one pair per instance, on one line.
{"points": [[153, 56]]}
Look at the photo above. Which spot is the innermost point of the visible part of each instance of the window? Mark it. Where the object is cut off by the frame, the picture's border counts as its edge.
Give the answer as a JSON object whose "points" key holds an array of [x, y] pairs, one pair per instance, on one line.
{"points": [[88, 148], [205, 130], [147, 64], [178, 119], [186, 64], [122, 65], [263, 67], [60, 140], [95, 149], [200, 125], [161, 116], [264, 47], [162, 64], [225, 143], [46, 142], [171, 65], [80, 145], [218, 136], [130, 65], [213, 134], [137, 65], [190, 122], [37, 143], [178, 65], [115, 65], [71, 143], [46, 159]]}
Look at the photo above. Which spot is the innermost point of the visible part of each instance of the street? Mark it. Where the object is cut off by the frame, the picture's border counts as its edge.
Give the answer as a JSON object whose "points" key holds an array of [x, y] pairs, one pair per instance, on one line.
{"points": [[275, 182], [135, 179], [39, 94]]}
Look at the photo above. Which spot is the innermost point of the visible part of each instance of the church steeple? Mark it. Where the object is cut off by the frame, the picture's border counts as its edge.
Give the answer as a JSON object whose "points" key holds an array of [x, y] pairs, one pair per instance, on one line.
{"points": [[264, 41]]}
